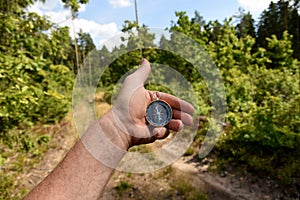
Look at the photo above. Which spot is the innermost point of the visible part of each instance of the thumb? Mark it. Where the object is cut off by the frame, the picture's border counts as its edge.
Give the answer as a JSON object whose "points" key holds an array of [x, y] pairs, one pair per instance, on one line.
{"points": [[139, 77]]}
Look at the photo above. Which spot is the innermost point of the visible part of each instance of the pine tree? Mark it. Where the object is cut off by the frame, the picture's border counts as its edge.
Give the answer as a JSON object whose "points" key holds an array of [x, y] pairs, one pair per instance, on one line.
{"points": [[246, 25], [279, 17]]}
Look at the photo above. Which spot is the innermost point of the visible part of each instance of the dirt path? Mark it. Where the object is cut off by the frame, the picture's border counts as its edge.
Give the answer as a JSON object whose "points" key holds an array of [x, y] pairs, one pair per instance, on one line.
{"points": [[188, 178]]}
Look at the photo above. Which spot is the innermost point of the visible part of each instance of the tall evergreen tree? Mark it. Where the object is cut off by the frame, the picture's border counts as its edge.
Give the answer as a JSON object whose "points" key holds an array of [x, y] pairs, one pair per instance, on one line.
{"points": [[245, 26], [279, 17]]}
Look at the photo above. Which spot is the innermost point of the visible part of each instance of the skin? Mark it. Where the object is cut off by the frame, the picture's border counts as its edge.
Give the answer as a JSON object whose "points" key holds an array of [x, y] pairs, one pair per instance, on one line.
{"points": [[80, 175]]}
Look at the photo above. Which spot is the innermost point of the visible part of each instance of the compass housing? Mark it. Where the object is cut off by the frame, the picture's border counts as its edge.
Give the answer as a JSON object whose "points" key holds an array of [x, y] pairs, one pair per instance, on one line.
{"points": [[158, 113]]}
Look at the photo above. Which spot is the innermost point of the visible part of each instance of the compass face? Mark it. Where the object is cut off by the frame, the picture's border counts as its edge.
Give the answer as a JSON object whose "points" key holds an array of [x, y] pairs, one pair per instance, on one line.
{"points": [[158, 113]]}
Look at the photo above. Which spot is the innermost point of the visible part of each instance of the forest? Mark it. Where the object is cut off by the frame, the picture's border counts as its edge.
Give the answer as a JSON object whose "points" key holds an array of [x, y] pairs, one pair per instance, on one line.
{"points": [[258, 62]]}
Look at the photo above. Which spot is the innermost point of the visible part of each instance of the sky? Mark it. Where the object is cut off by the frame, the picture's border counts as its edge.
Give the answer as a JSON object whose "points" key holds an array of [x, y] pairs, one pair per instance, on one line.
{"points": [[104, 18]]}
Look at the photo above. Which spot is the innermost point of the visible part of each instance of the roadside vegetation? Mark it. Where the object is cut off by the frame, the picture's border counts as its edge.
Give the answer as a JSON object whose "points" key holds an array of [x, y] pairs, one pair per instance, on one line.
{"points": [[259, 64]]}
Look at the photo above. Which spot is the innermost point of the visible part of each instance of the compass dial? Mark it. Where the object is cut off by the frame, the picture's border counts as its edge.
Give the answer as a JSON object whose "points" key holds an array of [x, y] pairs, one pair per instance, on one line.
{"points": [[158, 113]]}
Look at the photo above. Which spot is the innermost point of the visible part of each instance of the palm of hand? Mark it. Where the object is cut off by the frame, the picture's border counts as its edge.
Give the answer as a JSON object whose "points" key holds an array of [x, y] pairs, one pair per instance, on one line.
{"points": [[130, 109]]}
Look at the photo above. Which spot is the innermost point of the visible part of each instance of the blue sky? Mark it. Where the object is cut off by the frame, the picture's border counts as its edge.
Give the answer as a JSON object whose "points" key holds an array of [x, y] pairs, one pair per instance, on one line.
{"points": [[104, 18], [156, 13]]}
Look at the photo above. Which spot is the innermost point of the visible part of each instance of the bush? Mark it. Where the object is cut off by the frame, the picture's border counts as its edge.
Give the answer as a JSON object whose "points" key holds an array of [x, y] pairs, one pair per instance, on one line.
{"points": [[32, 91]]}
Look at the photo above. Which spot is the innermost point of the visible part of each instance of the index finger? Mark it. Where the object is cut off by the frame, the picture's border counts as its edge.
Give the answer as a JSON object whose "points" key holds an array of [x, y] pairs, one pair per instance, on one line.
{"points": [[176, 103]]}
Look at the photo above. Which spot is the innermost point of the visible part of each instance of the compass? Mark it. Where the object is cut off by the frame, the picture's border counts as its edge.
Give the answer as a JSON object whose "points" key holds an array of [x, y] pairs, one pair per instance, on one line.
{"points": [[158, 113]]}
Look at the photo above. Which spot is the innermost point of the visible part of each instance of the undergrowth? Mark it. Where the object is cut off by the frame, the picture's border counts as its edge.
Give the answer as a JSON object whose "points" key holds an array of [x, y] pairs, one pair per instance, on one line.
{"points": [[21, 150]]}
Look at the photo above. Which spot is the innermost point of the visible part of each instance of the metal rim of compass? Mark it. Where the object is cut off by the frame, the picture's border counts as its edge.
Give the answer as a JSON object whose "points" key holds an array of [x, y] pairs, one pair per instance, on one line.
{"points": [[167, 108]]}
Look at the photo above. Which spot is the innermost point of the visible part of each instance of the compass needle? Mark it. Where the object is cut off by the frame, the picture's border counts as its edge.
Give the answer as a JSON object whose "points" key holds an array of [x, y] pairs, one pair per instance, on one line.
{"points": [[158, 113]]}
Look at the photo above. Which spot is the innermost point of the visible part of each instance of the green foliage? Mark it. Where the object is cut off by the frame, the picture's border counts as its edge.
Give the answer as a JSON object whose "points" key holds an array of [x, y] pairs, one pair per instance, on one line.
{"points": [[122, 187], [18, 156], [36, 82], [246, 25], [35, 76], [32, 90], [190, 151], [74, 5], [261, 83], [260, 72], [188, 191], [255, 92], [8, 182], [140, 148], [21, 149], [280, 52], [262, 89], [60, 47], [279, 17]]}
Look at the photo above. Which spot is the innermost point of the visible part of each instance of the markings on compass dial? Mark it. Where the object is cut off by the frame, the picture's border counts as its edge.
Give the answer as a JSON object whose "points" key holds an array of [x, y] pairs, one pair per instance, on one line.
{"points": [[158, 113]]}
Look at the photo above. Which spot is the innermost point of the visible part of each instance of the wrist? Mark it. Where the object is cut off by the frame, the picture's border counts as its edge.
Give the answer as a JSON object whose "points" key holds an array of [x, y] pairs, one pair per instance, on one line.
{"points": [[108, 124], [105, 142]]}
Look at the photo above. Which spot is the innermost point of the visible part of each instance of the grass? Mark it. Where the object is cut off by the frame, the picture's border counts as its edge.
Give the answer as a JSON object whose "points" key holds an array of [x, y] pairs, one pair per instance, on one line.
{"points": [[184, 189], [19, 154], [280, 165], [101, 107], [140, 148], [190, 151], [21, 150], [187, 190], [165, 172], [30, 144], [122, 187], [162, 184]]}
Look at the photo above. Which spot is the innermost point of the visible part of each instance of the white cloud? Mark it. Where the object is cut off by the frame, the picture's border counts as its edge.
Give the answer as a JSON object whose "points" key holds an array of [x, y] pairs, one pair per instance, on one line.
{"points": [[59, 17], [120, 3], [62, 17], [49, 4], [115, 41], [255, 6], [82, 8], [96, 30]]}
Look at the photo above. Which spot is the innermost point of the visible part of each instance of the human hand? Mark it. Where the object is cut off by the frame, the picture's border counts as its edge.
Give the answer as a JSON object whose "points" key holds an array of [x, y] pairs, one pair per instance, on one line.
{"points": [[129, 110]]}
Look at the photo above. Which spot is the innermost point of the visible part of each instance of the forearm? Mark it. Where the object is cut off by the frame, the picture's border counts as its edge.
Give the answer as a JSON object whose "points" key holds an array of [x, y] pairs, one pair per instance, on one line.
{"points": [[86, 169], [82, 175]]}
